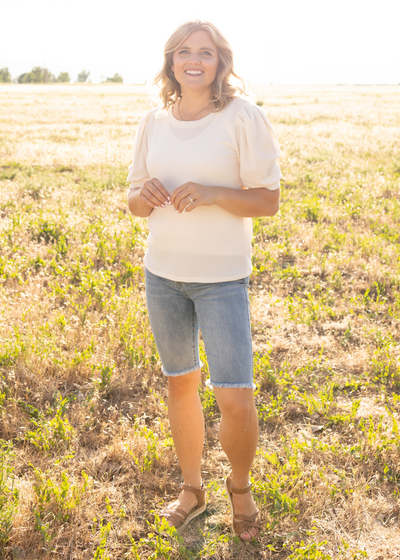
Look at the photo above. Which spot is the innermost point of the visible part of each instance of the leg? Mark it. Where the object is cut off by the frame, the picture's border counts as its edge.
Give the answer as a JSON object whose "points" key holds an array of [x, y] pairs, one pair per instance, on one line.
{"points": [[175, 328], [187, 426], [238, 435], [223, 311]]}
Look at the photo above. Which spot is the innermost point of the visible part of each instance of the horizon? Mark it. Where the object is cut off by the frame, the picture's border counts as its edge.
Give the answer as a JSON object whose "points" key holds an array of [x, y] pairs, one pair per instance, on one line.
{"points": [[148, 86]]}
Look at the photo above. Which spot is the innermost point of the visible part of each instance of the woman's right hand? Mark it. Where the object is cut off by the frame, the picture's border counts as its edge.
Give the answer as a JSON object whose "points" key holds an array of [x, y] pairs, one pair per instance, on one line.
{"points": [[154, 194]]}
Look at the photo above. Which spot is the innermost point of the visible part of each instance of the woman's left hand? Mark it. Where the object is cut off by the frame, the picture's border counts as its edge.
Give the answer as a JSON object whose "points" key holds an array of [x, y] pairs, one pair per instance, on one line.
{"points": [[190, 195]]}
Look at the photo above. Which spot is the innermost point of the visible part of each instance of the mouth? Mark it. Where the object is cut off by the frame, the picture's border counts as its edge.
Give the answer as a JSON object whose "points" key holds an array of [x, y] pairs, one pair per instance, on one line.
{"points": [[194, 72]]}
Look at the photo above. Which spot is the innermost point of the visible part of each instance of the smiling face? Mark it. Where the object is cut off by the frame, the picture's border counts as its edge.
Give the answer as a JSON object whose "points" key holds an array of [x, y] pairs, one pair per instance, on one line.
{"points": [[195, 62]]}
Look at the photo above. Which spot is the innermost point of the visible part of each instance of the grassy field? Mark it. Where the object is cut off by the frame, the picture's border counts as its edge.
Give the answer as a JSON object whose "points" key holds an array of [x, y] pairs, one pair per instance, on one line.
{"points": [[86, 453]]}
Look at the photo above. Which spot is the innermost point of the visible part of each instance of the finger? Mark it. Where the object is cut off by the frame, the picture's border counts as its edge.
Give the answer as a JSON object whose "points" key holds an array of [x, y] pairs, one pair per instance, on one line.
{"points": [[183, 196], [181, 201], [153, 190], [184, 203], [154, 195], [162, 200], [161, 189], [179, 205], [192, 206], [149, 199], [177, 192]]}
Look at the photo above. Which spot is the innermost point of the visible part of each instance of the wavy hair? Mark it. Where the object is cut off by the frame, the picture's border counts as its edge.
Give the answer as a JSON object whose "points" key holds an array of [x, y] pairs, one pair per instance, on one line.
{"points": [[222, 92]]}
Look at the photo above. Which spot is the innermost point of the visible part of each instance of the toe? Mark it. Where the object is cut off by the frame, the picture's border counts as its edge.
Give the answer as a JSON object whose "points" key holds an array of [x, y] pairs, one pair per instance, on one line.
{"points": [[248, 535]]}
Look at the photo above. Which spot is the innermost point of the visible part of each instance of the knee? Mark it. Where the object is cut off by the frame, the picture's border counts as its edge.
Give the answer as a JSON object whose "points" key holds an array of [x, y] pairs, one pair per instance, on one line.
{"points": [[240, 414], [183, 385]]}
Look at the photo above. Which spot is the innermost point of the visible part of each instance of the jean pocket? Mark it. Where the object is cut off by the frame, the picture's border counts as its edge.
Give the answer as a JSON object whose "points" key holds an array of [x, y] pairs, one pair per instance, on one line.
{"points": [[244, 281]]}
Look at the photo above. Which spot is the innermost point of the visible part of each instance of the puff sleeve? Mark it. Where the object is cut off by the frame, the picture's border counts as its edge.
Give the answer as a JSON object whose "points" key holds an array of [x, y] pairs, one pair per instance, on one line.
{"points": [[138, 173], [258, 149]]}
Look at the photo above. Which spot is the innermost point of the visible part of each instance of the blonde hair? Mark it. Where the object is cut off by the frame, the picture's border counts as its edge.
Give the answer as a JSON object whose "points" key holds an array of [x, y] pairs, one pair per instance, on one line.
{"points": [[222, 92]]}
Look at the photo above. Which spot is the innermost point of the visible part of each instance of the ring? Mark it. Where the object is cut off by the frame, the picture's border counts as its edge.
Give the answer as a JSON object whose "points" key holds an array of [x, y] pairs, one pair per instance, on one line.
{"points": [[190, 198]]}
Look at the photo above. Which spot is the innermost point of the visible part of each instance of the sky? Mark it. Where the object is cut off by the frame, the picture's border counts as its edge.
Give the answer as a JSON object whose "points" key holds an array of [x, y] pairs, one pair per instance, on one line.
{"points": [[274, 42]]}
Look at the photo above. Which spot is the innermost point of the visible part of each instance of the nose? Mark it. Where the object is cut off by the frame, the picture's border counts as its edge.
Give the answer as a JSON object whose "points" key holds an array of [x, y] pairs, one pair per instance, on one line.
{"points": [[194, 58]]}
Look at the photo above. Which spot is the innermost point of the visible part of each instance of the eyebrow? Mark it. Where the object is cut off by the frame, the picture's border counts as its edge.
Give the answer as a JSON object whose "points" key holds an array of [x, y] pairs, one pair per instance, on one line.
{"points": [[202, 48]]}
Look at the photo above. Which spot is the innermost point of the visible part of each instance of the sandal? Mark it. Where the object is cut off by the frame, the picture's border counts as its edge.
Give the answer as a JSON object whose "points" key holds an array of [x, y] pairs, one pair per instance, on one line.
{"points": [[178, 516], [242, 523]]}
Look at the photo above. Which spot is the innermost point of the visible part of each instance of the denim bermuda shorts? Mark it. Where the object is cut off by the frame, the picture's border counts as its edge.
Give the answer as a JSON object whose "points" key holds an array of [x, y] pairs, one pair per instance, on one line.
{"points": [[177, 310]]}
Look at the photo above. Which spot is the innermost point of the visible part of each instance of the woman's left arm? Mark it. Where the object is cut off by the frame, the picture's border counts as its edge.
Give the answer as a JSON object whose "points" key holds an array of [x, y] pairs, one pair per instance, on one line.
{"points": [[257, 149], [248, 203], [244, 202]]}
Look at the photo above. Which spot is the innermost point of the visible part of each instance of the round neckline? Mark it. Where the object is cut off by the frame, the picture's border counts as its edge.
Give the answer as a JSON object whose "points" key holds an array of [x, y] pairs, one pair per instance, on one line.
{"points": [[190, 124]]}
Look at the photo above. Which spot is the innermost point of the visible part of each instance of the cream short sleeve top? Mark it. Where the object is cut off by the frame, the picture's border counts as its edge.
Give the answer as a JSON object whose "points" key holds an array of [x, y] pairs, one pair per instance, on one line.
{"points": [[230, 148]]}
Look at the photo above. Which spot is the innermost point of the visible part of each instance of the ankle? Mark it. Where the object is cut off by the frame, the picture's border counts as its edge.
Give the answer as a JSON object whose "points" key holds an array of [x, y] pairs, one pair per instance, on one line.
{"points": [[198, 485], [240, 483]]}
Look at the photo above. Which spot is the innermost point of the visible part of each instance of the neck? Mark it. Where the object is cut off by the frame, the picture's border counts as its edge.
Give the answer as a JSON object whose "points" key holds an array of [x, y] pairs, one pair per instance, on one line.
{"points": [[191, 102]]}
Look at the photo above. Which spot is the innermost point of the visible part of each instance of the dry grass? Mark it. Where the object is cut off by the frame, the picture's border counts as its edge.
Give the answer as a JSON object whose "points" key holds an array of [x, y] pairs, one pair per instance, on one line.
{"points": [[82, 400]]}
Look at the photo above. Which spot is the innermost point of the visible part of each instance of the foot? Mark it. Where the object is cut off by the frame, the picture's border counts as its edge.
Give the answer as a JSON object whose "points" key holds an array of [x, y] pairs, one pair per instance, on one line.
{"points": [[186, 501], [244, 505]]}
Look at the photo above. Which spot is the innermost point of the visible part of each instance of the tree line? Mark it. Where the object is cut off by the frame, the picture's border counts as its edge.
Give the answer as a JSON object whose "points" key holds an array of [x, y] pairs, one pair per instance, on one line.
{"points": [[39, 75]]}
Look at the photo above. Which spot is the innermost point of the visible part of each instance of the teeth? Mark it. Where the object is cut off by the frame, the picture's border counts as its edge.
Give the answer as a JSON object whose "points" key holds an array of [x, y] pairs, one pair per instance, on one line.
{"points": [[194, 71]]}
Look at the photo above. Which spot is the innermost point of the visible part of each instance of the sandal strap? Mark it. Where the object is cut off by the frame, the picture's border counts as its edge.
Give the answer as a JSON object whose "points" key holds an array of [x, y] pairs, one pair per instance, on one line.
{"points": [[177, 516], [243, 523], [199, 493], [236, 490], [242, 490]]}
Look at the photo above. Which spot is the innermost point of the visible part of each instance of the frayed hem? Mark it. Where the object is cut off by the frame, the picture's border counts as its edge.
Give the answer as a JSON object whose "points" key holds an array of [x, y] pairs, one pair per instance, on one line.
{"points": [[183, 372], [211, 384]]}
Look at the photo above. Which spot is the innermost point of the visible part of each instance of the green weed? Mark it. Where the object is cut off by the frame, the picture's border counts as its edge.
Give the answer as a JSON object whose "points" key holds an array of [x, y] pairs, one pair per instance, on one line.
{"points": [[151, 453], [56, 500], [50, 434], [44, 530], [208, 402], [104, 382], [9, 495], [309, 551], [104, 532]]}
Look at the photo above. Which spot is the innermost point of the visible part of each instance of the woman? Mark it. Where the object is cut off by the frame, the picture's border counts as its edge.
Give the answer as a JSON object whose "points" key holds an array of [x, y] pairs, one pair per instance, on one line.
{"points": [[204, 164]]}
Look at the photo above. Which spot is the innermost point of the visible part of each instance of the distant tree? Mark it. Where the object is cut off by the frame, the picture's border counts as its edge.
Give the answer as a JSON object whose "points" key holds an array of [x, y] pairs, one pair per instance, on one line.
{"points": [[63, 77], [22, 79], [47, 76], [5, 75], [83, 76], [116, 78], [37, 75]]}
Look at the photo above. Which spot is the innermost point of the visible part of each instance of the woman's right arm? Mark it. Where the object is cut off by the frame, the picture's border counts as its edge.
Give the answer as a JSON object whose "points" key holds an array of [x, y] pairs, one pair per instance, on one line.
{"points": [[136, 206], [144, 193], [142, 200]]}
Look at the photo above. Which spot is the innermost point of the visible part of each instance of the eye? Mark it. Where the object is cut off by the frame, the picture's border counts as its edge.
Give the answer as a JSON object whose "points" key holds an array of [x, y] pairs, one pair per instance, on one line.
{"points": [[184, 51], [207, 52]]}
